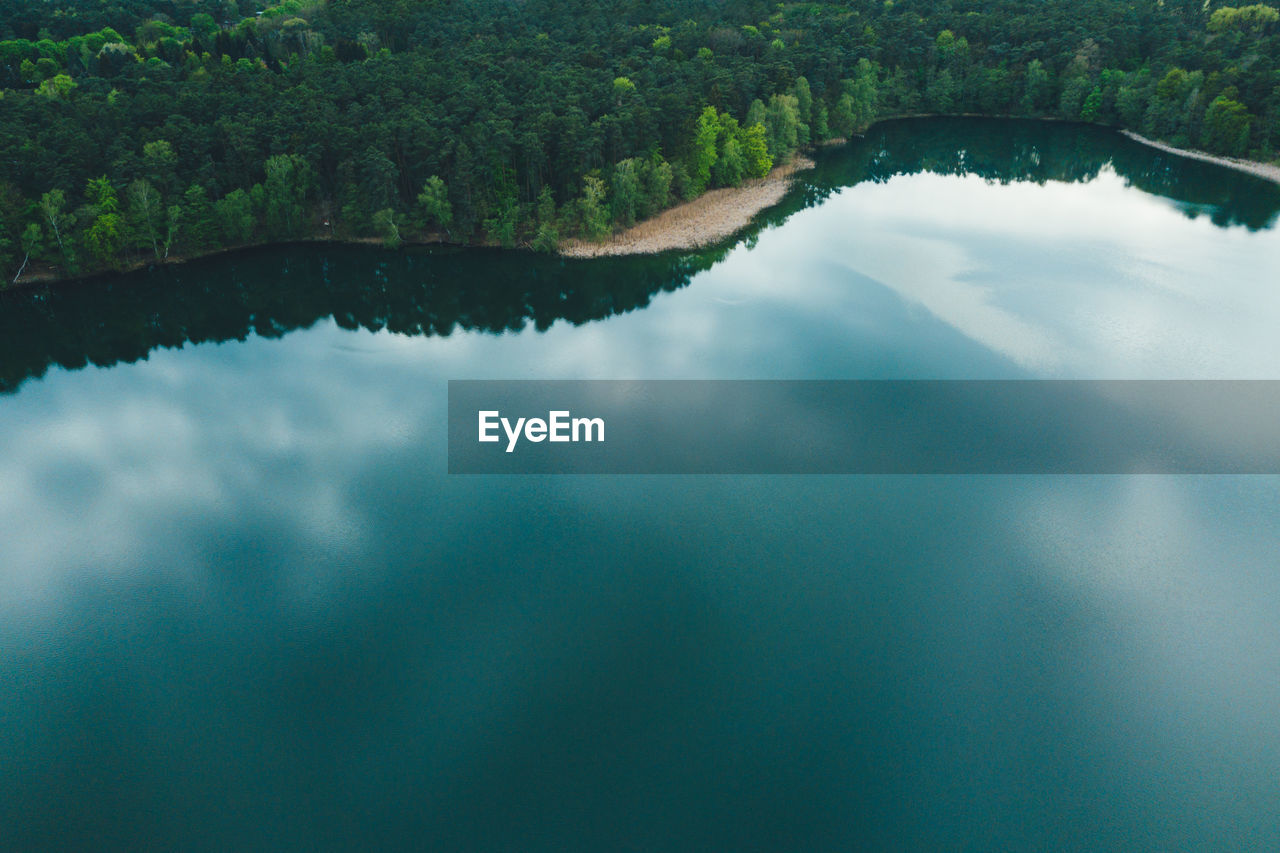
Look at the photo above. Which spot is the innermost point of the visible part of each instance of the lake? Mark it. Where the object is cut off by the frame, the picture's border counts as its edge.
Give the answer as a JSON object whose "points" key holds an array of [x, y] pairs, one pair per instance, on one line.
{"points": [[242, 605]]}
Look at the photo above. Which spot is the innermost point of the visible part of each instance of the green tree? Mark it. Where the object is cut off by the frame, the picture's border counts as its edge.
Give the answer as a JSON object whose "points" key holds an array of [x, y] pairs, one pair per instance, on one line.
{"points": [[1226, 125], [942, 92], [384, 222], [782, 123], [1075, 90], [59, 87], [235, 218], [804, 99], [622, 88], [729, 166], [863, 91], [703, 155], [842, 121], [159, 161], [547, 237], [51, 206], [146, 214], [32, 240], [197, 216], [288, 185], [592, 208], [657, 178], [105, 236], [1039, 88], [821, 122], [755, 152], [1132, 98], [433, 203], [172, 226], [1092, 105], [626, 192]]}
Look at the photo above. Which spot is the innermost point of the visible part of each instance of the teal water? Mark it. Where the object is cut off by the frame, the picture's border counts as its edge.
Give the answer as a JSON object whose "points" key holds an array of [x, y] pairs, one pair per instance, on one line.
{"points": [[243, 607]]}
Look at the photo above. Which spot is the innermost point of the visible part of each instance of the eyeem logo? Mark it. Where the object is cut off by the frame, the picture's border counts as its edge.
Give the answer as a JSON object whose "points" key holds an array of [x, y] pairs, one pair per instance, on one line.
{"points": [[558, 426]]}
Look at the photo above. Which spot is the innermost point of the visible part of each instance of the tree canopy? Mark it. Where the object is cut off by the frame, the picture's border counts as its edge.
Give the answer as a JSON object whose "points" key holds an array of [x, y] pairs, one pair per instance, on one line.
{"points": [[519, 123]]}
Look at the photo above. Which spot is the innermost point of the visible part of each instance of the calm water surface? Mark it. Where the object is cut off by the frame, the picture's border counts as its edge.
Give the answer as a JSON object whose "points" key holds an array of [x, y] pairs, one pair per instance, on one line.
{"points": [[243, 607]]}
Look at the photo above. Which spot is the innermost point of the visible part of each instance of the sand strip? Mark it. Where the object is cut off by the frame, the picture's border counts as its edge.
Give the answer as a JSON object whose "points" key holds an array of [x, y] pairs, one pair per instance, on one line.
{"points": [[1267, 171], [710, 217]]}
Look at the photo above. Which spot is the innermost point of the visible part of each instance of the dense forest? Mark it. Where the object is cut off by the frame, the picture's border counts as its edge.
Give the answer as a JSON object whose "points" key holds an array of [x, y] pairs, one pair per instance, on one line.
{"points": [[134, 130]]}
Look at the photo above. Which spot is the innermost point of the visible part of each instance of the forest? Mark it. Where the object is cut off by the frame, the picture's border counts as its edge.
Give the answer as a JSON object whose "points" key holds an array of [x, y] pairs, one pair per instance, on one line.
{"points": [[132, 131]]}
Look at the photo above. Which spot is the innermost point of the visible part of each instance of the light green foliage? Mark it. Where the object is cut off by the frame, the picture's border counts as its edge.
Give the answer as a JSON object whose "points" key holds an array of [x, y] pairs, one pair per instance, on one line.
{"points": [[105, 238], [1092, 105], [146, 214], [755, 152], [504, 222], [804, 99], [433, 203], [842, 122], [1039, 88], [1177, 94], [729, 165], [172, 226], [865, 93], [58, 222], [857, 106], [782, 123], [59, 86], [593, 210], [821, 122], [32, 239], [30, 244], [1226, 125], [234, 217], [203, 25], [657, 178], [1254, 17], [626, 192], [703, 156], [384, 223], [622, 88], [159, 159], [101, 195]]}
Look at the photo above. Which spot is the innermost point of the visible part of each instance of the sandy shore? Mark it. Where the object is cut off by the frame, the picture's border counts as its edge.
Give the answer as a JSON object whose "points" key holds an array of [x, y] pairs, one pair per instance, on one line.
{"points": [[710, 217], [1268, 171]]}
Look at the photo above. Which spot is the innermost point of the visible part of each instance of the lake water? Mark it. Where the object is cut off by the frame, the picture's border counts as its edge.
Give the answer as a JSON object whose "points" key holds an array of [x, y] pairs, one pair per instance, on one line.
{"points": [[242, 606]]}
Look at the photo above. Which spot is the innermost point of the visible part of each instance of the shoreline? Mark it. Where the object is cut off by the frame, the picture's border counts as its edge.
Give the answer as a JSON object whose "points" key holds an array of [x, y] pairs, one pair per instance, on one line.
{"points": [[42, 275], [1266, 171], [711, 217]]}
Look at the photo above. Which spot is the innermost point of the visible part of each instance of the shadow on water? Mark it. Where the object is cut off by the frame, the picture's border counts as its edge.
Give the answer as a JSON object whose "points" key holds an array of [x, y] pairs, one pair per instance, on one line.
{"points": [[272, 291]]}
